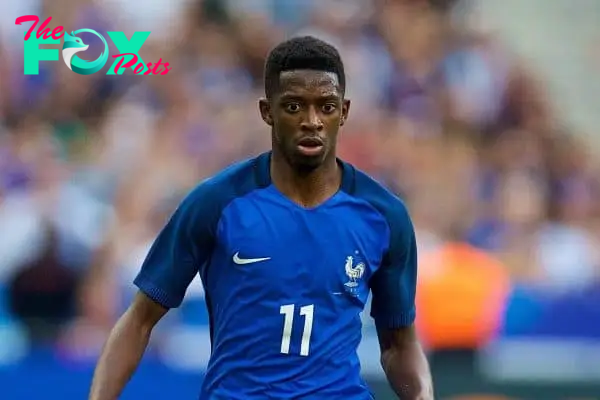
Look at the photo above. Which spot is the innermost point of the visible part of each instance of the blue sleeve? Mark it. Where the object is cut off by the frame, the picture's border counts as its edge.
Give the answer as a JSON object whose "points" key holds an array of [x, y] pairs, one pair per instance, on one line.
{"points": [[394, 284], [183, 245]]}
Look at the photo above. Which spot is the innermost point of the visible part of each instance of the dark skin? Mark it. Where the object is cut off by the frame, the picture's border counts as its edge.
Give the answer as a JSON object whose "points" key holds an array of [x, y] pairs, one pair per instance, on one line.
{"points": [[125, 347], [405, 364], [308, 104]]}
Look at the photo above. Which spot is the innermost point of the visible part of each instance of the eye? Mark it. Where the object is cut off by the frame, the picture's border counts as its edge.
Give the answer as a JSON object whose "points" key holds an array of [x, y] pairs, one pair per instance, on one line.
{"points": [[292, 107], [329, 108]]}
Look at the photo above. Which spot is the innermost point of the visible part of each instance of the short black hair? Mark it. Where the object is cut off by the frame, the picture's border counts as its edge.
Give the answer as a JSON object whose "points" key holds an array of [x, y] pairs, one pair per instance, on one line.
{"points": [[305, 52]]}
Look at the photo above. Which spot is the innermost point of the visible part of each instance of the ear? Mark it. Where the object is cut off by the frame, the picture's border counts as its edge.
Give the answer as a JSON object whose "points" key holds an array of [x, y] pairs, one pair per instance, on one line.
{"points": [[265, 111], [345, 111]]}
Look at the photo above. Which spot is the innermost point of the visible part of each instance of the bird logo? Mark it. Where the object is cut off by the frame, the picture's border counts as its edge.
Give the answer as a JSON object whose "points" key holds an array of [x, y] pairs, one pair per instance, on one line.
{"points": [[74, 45], [353, 272]]}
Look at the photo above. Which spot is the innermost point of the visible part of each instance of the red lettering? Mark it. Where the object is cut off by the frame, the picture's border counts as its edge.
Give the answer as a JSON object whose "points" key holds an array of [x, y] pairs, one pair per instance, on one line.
{"points": [[130, 63], [140, 66], [166, 70], [41, 31], [138, 69], [155, 70], [28, 18], [56, 33], [148, 71]]}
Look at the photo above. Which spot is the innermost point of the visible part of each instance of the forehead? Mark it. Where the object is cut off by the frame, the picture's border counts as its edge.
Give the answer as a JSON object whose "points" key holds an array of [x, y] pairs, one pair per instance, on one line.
{"points": [[309, 82]]}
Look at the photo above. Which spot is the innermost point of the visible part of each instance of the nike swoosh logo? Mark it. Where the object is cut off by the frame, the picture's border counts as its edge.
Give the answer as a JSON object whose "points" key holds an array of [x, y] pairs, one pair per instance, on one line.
{"points": [[243, 261]]}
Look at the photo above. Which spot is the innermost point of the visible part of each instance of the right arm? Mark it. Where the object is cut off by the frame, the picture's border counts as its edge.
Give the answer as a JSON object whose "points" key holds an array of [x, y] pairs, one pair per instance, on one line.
{"points": [[125, 347], [174, 259]]}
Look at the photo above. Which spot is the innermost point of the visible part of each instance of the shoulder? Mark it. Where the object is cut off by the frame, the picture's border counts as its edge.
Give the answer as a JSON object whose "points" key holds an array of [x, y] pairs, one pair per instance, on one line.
{"points": [[391, 206], [214, 193]]}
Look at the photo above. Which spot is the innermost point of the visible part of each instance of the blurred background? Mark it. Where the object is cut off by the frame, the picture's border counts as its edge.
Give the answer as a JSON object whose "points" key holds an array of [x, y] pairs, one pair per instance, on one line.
{"points": [[483, 115]]}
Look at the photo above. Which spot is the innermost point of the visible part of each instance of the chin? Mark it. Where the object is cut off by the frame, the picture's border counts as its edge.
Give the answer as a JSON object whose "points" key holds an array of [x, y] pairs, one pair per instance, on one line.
{"points": [[306, 167], [307, 164]]}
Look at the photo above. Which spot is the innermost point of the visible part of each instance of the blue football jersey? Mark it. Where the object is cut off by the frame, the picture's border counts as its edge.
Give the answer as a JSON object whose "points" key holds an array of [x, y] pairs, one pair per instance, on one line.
{"points": [[285, 285]]}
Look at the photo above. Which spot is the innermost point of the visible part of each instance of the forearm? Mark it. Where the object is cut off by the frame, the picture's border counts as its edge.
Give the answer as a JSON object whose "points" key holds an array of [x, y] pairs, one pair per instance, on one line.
{"points": [[120, 358], [407, 371]]}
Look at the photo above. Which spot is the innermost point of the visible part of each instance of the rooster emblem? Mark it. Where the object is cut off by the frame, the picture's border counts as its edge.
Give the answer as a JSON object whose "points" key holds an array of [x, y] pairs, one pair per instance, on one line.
{"points": [[353, 272]]}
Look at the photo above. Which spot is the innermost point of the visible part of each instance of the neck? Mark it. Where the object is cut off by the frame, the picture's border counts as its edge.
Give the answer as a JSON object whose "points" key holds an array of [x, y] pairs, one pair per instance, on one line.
{"points": [[307, 188]]}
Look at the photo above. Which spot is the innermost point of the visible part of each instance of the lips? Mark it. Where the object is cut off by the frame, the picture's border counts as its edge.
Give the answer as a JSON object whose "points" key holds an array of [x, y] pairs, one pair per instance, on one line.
{"points": [[310, 142], [310, 146]]}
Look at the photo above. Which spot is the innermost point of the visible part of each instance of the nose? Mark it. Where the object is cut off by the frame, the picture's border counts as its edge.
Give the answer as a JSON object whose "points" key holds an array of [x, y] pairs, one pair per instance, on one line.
{"points": [[311, 121]]}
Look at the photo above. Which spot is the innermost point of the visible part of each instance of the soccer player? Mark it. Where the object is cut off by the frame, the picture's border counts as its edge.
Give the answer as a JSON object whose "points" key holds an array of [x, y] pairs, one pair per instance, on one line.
{"points": [[288, 245]]}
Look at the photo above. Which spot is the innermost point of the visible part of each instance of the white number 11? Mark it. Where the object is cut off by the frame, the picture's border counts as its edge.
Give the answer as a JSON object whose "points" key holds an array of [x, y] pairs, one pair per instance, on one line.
{"points": [[288, 311]]}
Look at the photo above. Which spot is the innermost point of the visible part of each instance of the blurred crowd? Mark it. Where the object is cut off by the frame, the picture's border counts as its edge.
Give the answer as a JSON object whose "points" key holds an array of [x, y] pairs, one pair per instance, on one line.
{"points": [[443, 113]]}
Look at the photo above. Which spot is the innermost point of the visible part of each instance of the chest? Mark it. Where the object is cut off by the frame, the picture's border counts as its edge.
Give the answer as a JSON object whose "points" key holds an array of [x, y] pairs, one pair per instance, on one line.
{"points": [[307, 252]]}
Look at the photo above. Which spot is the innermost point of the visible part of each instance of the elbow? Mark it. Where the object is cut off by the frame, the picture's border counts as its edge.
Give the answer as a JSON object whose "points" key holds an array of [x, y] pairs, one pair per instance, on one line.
{"points": [[387, 355]]}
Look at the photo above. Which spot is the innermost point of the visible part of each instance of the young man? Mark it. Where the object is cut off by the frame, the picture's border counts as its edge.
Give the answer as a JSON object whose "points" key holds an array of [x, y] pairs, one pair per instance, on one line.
{"points": [[288, 245]]}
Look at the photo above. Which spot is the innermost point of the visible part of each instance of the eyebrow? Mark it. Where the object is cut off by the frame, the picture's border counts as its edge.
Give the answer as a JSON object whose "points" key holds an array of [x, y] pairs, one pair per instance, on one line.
{"points": [[291, 96]]}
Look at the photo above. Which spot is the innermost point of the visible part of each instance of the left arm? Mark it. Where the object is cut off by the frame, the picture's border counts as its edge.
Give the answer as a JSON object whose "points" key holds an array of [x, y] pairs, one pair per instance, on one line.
{"points": [[393, 309], [404, 363]]}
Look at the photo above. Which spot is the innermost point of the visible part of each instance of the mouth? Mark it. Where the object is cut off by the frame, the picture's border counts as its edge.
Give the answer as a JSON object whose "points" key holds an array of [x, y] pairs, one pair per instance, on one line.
{"points": [[310, 146]]}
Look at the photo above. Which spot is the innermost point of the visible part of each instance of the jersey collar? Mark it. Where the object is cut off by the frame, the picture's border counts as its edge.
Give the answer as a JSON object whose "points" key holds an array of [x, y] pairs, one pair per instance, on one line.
{"points": [[263, 172]]}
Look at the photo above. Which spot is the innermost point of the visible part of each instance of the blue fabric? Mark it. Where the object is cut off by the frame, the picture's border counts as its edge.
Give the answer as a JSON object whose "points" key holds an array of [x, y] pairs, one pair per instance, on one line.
{"points": [[285, 285]]}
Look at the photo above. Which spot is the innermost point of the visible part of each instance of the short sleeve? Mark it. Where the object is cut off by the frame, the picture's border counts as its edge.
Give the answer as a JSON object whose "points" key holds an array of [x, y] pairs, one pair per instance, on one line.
{"points": [[183, 245], [394, 284]]}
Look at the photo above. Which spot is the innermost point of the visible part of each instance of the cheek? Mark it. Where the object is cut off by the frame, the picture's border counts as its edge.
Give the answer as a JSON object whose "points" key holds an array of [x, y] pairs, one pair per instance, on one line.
{"points": [[283, 130], [333, 125], [285, 124]]}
